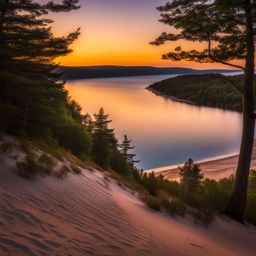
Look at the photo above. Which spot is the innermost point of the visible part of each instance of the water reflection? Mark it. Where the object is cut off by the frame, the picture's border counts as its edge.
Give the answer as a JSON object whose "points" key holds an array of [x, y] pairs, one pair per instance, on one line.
{"points": [[164, 132]]}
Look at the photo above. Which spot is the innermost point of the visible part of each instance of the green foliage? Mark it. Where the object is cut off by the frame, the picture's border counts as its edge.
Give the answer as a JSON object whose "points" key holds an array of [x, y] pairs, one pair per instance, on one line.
{"points": [[27, 43], [250, 213], [125, 147], [34, 165], [28, 168], [203, 90], [150, 182], [225, 30], [104, 141], [119, 164], [218, 25], [74, 136], [191, 178], [45, 164], [32, 100], [172, 205], [153, 203]]}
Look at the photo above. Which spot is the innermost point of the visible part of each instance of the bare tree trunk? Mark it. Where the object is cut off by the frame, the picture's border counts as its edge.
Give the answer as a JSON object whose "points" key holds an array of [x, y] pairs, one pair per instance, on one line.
{"points": [[237, 203]]}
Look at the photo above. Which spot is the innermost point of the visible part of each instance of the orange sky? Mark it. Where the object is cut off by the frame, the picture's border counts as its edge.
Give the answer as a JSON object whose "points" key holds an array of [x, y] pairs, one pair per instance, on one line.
{"points": [[116, 32]]}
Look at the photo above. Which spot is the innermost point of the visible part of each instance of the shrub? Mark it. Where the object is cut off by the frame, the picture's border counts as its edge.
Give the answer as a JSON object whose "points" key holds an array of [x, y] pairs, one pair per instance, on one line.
{"points": [[151, 183], [202, 217], [63, 172], [153, 203], [28, 168], [173, 206], [76, 169], [45, 163]]}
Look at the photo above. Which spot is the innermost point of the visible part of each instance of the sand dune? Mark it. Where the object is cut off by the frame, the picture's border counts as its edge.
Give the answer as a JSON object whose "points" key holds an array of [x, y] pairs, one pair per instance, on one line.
{"points": [[90, 214]]}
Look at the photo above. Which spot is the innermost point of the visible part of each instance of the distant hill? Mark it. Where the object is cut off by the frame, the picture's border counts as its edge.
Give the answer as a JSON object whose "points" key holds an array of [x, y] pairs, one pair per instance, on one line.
{"points": [[123, 71]]}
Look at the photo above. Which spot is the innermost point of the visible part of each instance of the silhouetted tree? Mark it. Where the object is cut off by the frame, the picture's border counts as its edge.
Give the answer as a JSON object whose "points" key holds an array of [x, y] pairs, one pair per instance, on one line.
{"points": [[27, 50], [191, 178], [227, 29], [125, 147], [104, 141]]}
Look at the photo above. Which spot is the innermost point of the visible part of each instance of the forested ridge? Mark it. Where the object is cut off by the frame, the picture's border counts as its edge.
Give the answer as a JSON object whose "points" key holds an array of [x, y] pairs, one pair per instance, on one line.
{"points": [[209, 90]]}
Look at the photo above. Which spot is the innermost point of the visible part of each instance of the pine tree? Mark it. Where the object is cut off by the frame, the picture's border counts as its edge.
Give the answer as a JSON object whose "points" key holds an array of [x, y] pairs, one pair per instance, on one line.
{"points": [[27, 44], [191, 178], [104, 140], [226, 31], [125, 147], [27, 52]]}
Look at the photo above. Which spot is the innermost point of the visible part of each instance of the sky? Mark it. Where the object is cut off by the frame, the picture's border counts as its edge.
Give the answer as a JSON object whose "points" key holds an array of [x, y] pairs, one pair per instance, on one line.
{"points": [[118, 32]]}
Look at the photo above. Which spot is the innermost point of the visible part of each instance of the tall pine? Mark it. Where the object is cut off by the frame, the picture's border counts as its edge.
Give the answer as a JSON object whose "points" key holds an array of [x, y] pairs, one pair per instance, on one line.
{"points": [[125, 148], [104, 140], [27, 52], [226, 31], [191, 178]]}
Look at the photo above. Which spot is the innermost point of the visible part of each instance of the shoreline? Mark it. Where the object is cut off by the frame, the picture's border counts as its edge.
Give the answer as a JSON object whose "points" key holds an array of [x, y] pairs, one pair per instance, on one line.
{"points": [[218, 168], [157, 93], [192, 103]]}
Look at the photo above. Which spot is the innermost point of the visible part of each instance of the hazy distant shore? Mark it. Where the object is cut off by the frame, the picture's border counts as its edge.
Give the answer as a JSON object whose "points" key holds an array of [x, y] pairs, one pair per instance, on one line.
{"points": [[89, 72]]}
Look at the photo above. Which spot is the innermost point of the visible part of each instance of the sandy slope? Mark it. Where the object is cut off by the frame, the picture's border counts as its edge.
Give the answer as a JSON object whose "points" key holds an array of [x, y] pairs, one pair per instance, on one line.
{"points": [[90, 215], [214, 169]]}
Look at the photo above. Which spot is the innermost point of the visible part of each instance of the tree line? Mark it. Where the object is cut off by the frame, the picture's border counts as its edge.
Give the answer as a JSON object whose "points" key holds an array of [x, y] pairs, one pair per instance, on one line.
{"points": [[33, 99]]}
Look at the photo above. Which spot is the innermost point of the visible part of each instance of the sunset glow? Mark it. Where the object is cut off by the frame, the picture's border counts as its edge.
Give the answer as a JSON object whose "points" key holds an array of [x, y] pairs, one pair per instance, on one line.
{"points": [[116, 32]]}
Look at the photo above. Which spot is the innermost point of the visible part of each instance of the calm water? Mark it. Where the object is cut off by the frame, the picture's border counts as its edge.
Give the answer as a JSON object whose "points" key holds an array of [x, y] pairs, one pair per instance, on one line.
{"points": [[164, 132]]}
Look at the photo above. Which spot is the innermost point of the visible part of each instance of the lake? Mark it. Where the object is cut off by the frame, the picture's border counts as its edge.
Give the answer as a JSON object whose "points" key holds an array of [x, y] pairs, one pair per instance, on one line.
{"points": [[164, 132]]}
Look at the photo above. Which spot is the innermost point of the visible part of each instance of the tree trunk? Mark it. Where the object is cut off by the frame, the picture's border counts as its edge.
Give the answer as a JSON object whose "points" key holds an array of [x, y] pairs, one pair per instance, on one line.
{"points": [[237, 203]]}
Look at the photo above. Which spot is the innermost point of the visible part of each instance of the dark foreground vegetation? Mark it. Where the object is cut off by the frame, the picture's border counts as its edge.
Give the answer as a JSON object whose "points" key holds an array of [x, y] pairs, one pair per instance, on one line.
{"points": [[203, 90], [194, 195]]}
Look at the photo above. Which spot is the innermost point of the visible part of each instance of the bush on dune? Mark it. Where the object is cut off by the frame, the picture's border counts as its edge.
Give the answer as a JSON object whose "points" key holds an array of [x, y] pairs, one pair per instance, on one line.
{"points": [[45, 164], [208, 198], [28, 168]]}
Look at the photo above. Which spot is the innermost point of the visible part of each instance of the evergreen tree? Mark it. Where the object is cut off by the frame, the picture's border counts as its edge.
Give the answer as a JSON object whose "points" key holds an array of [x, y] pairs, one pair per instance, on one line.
{"points": [[32, 100], [104, 141], [27, 44], [191, 178], [27, 52], [88, 122], [226, 30], [125, 147]]}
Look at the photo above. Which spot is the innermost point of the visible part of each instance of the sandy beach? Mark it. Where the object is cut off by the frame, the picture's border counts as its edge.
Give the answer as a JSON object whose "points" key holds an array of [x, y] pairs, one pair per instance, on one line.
{"points": [[214, 169], [90, 214]]}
